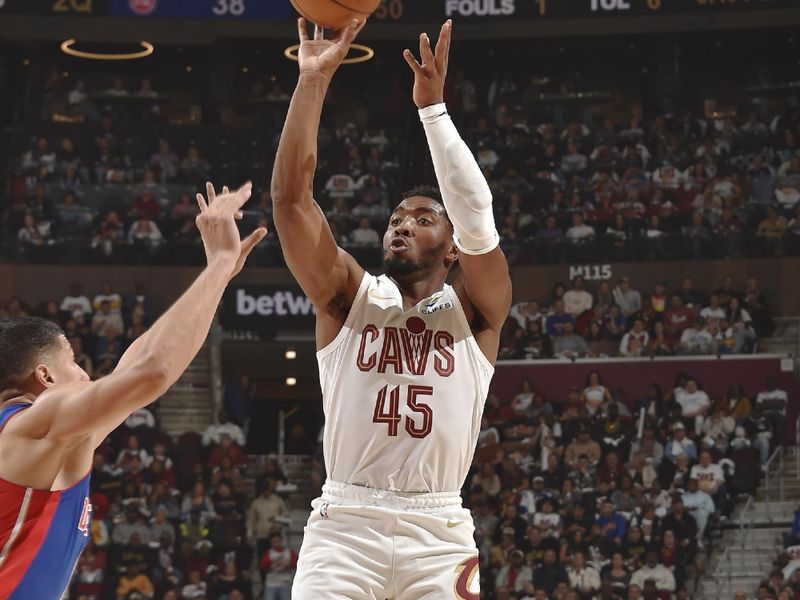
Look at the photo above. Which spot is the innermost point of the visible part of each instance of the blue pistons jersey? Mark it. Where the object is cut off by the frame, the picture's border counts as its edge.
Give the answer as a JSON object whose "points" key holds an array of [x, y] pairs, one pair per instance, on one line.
{"points": [[42, 534]]}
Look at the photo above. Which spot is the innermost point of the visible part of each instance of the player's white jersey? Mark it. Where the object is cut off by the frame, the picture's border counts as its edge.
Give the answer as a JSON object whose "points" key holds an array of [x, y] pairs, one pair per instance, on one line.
{"points": [[403, 392]]}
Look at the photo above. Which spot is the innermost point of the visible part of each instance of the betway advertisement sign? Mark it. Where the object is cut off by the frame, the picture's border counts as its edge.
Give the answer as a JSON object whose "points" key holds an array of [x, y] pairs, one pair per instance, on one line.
{"points": [[267, 308]]}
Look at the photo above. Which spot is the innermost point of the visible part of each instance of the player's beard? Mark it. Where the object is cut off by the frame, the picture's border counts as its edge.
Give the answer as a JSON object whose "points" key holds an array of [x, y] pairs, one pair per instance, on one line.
{"points": [[402, 267]]}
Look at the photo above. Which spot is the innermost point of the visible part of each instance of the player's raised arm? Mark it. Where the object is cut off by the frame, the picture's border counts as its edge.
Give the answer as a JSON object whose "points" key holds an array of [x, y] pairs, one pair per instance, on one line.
{"points": [[467, 197], [327, 274], [158, 358]]}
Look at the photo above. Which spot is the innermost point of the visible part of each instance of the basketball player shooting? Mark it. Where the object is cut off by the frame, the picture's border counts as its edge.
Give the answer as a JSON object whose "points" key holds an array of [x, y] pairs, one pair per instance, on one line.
{"points": [[405, 360], [52, 418]]}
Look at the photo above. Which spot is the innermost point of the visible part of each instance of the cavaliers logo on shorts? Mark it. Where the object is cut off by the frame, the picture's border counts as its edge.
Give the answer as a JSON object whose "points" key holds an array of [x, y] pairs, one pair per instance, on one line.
{"points": [[467, 573]]}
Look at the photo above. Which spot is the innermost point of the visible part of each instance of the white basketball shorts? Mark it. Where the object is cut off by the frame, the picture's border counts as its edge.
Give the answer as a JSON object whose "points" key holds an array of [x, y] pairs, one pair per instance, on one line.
{"points": [[364, 544]]}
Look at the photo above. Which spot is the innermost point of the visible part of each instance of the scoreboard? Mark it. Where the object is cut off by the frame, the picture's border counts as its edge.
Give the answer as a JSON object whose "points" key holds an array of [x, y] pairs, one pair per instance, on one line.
{"points": [[543, 10], [397, 11]]}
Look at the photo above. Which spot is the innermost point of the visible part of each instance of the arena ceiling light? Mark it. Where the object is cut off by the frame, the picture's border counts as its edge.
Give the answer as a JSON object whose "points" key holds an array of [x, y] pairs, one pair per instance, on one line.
{"points": [[367, 54], [68, 47]]}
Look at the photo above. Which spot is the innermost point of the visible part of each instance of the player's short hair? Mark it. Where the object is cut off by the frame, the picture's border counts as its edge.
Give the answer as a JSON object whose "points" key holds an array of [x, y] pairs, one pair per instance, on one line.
{"points": [[424, 191], [22, 341]]}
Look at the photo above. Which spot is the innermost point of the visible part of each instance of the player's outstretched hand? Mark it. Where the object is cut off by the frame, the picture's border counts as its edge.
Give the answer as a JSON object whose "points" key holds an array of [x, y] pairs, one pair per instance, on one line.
{"points": [[217, 225], [430, 75], [321, 57]]}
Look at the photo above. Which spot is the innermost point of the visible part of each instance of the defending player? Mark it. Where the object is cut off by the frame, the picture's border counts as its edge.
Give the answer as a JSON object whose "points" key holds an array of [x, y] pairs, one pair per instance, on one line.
{"points": [[52, 417], [405, 360]]}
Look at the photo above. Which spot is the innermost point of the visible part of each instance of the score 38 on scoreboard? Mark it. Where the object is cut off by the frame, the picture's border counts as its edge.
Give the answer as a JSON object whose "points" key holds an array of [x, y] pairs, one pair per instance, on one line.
{"points": [[200, 10], [397, 11]]}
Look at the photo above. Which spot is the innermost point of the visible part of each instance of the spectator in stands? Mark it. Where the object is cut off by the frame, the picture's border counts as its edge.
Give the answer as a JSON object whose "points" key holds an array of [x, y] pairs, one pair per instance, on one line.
{"points": [[160, 527], [634, 343], [678, 316], [772, 403], [515, 573], [132, 450], [595, 393], [194, 167], [194, 535], [550, 239], [262, 520], [195, 587], [226, 448], [198, 501], [679, 444], [648, 446], [612, 524], [719, 426], [772, 230], [34, 232], [580, 235], [106, 321], [569, 344], [697, 236], [741, 326], [659, 343], [549, 574], [365, 235], [583, 445], [133, 580], [695, 404], [714, 310], [165, 161], [109, 234], [556, 322], [277, 565], [628, 299], [76, 301], [134, 525], [117, 89], [583, 578], [793, 537], [653, 571], [145, 235], [699, 504], [214, 432], [107, 293], [142, 417], [696, 340], [577, 300]]}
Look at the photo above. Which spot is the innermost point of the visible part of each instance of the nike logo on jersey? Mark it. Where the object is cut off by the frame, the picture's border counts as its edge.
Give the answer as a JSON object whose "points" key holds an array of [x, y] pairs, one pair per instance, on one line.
{"points": [[451, 524]]}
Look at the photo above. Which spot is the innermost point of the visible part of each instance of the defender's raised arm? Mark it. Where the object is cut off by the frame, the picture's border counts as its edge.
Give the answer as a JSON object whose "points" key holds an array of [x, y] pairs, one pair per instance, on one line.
{"points": [[158, 358], [327, 274]]}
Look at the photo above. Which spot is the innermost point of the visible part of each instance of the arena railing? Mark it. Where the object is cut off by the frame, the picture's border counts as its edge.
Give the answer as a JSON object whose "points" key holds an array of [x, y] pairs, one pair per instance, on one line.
{"points": [[797, 447], [777, 455]]}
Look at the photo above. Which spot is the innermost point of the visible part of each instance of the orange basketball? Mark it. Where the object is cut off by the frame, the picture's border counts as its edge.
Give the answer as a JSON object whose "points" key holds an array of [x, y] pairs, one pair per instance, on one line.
{"points": [[335, 14]]}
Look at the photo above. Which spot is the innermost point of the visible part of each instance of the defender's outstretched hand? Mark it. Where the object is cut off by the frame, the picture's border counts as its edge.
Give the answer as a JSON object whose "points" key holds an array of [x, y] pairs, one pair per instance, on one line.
{"points": [[429, 77], [323, 57], [217, 225]]}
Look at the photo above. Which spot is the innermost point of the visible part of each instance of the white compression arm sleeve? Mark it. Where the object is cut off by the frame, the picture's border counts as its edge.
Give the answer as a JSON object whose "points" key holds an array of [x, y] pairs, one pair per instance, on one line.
{"points": [[467, 197]]}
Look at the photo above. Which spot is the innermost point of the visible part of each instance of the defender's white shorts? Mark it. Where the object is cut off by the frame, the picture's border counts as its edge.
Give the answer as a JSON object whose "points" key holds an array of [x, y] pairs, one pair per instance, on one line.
{"points": [[365, 544]]}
